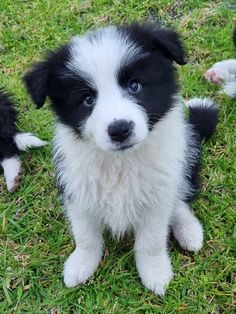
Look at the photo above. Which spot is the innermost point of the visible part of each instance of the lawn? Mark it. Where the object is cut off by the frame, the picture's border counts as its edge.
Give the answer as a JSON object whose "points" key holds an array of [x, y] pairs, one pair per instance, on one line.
{"points": [[34, 234]]}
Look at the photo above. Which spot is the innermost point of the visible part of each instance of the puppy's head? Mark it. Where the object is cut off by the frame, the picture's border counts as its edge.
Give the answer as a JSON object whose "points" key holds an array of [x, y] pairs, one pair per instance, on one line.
{"points": [[112, 85]]}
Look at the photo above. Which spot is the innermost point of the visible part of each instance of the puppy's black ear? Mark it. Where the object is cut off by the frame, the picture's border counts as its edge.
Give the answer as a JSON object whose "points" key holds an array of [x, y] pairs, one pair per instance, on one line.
{"points": [[36, 83], [171, 44]]}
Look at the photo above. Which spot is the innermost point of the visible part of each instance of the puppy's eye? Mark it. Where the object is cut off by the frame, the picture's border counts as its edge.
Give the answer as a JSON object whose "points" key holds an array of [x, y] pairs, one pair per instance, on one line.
{"points": [[134, 86], [89, 100]]}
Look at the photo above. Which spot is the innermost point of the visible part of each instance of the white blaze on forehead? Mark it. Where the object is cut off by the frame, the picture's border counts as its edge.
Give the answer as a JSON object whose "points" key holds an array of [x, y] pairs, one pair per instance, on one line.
{"points": [[98, 55]]}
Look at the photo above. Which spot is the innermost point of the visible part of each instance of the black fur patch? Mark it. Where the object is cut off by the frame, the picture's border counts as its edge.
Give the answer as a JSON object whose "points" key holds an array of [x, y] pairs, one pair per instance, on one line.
{"points": [[204, 120], [157, 77], [65, 89], [8, 128], [155, 71], [151, 38]]}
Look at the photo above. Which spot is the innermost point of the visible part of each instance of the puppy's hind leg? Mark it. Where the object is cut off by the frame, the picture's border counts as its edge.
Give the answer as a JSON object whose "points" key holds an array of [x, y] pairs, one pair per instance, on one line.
{"points": [[12, 171], [186, 228]]}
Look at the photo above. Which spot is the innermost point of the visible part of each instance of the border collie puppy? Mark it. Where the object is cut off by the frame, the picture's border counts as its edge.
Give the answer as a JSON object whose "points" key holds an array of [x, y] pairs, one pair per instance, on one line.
{"points": [[125, 157], [224, 73], [12, 142]]}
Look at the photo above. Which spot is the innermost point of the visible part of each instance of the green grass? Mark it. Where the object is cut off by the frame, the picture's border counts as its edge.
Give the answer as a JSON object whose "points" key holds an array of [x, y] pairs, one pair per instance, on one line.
{"points": [[34, 235]]}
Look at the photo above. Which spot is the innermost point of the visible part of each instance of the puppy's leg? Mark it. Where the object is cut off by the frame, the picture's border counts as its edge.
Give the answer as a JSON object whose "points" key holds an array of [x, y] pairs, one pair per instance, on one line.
{"points": [[24, 141], [151, 254], [186, 228], [83, 262], [229, 89], [12, 171]]}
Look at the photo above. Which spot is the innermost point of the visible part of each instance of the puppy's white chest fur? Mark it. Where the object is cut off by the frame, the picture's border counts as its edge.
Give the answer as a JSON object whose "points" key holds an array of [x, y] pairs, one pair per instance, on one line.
{"points": [[118, 188]]}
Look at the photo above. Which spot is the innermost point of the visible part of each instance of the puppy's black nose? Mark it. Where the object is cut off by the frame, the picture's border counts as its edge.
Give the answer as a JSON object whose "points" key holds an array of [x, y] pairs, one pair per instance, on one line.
{"points": [[120, 130]]}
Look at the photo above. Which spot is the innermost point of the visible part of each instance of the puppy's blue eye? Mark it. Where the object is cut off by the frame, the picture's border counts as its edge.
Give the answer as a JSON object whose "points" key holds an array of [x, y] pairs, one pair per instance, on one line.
{"points": [[134, 87], [89, 101]]}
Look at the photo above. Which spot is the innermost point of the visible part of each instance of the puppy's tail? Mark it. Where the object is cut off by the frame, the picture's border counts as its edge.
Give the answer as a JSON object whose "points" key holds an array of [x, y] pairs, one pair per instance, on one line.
{"points": [[24, 141], [203, 114], [203, 120]]}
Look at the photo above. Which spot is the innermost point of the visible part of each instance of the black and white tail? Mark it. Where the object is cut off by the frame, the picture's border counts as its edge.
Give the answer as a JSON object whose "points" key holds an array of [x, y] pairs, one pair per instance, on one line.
{"points": [[203, 120], [203, 115]]}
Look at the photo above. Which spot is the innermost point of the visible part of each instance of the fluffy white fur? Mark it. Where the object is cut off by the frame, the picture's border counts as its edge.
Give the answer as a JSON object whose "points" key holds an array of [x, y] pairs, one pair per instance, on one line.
{"points": [[224, 73], [186, 228], [108, 189], [200, 102], [229, 89]]}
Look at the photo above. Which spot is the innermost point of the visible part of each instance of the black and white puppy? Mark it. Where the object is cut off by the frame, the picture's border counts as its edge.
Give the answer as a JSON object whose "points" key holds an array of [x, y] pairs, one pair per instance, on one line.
{"points": [[125, 157], [12, 142], [224, 73]]}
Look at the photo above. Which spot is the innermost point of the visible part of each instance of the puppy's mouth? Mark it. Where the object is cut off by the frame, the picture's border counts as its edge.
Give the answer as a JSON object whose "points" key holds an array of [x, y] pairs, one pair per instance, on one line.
{"points": [[124, 147]]}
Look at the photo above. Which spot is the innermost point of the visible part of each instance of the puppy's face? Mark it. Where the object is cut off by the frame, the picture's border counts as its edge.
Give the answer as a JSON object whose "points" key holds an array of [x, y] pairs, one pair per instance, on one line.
{"points": [[110, 86]]}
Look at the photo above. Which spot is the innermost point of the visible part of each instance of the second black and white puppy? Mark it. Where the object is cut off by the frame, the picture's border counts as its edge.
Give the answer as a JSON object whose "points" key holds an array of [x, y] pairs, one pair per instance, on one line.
{"points": [[12, 142], [125, 157]]}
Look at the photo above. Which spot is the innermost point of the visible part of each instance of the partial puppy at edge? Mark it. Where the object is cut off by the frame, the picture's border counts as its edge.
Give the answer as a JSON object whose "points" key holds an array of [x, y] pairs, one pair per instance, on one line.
{"points": [[224, 74], [12, 142]]}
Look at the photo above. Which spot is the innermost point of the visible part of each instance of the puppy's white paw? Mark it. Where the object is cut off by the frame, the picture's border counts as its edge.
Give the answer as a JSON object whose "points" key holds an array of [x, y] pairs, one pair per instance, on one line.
{"points": [[155, 271], [223, 71], [213, 76], [80, 265], [189, 235], [13, 184], [12, 172]]}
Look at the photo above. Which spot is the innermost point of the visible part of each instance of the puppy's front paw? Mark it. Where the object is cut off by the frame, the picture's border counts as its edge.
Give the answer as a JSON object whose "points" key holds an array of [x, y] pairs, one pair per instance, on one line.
{"points": [[80, 265], [213, 76], [155, 271]]}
